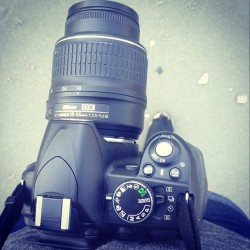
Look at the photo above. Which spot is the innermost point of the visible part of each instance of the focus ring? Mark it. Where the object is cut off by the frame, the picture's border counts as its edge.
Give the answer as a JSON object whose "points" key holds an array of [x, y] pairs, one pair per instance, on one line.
{"points": [[116, 17], [100, 59]]}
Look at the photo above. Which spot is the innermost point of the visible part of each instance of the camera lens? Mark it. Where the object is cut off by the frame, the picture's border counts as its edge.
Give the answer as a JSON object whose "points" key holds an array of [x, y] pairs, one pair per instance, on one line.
{"points": [[100, 70]]}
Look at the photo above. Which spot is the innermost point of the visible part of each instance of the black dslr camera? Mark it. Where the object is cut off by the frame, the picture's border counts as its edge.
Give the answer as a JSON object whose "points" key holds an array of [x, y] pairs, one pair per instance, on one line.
{"points": [[90, 182]]}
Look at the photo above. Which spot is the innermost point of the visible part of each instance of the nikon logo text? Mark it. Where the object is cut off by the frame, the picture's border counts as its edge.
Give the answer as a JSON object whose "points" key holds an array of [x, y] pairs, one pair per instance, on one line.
{"points": [[71, 107]]}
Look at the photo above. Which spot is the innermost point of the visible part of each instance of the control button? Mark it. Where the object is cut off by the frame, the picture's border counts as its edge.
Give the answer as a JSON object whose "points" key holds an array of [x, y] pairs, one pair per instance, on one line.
{"points": [[170, 208], [167, 217], [148, 170], [169, 189], [175, 173], [171, 198], [164, 149]]}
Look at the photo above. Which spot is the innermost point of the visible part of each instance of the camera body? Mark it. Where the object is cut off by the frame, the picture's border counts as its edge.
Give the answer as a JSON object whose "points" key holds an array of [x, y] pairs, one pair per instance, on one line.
{"points": [[90, 181], [84, 187]]}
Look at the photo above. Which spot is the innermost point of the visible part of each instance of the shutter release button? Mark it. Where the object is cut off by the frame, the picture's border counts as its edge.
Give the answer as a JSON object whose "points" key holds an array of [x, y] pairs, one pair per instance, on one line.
{"points": [[164, 149]]}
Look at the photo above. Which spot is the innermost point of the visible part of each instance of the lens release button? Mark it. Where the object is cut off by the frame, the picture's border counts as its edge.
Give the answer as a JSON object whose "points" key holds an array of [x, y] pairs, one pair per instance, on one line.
{"points": [[164, 149]]}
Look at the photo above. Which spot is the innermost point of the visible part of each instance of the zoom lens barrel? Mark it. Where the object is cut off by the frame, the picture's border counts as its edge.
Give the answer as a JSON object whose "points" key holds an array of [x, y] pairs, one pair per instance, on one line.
{"points": [[100, 70]]}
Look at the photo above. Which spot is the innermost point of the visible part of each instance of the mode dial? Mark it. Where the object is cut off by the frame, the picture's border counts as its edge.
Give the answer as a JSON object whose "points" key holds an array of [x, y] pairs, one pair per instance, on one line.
{"points": [[133, 201]]}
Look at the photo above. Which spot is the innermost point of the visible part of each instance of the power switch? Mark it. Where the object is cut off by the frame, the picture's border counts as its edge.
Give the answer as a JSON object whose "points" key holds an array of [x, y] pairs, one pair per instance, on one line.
{"points": [[164, 149]]}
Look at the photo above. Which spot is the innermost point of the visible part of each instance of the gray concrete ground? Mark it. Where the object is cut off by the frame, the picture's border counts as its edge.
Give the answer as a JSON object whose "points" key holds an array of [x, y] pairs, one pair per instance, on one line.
{"points": [[198, 52]]}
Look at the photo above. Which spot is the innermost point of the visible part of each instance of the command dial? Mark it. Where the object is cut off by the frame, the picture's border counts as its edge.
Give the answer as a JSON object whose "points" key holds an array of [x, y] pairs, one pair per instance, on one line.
{"points": [[133, 201]]}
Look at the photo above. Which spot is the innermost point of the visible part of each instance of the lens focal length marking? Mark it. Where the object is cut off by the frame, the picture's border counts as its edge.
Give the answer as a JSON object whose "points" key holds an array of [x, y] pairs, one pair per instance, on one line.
{"points": [[68, 88], [81, 111]]}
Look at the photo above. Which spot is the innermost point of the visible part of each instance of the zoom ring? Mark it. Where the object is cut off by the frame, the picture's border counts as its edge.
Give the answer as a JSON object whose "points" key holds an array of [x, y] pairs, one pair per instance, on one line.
{"points": [[100, 59]]}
